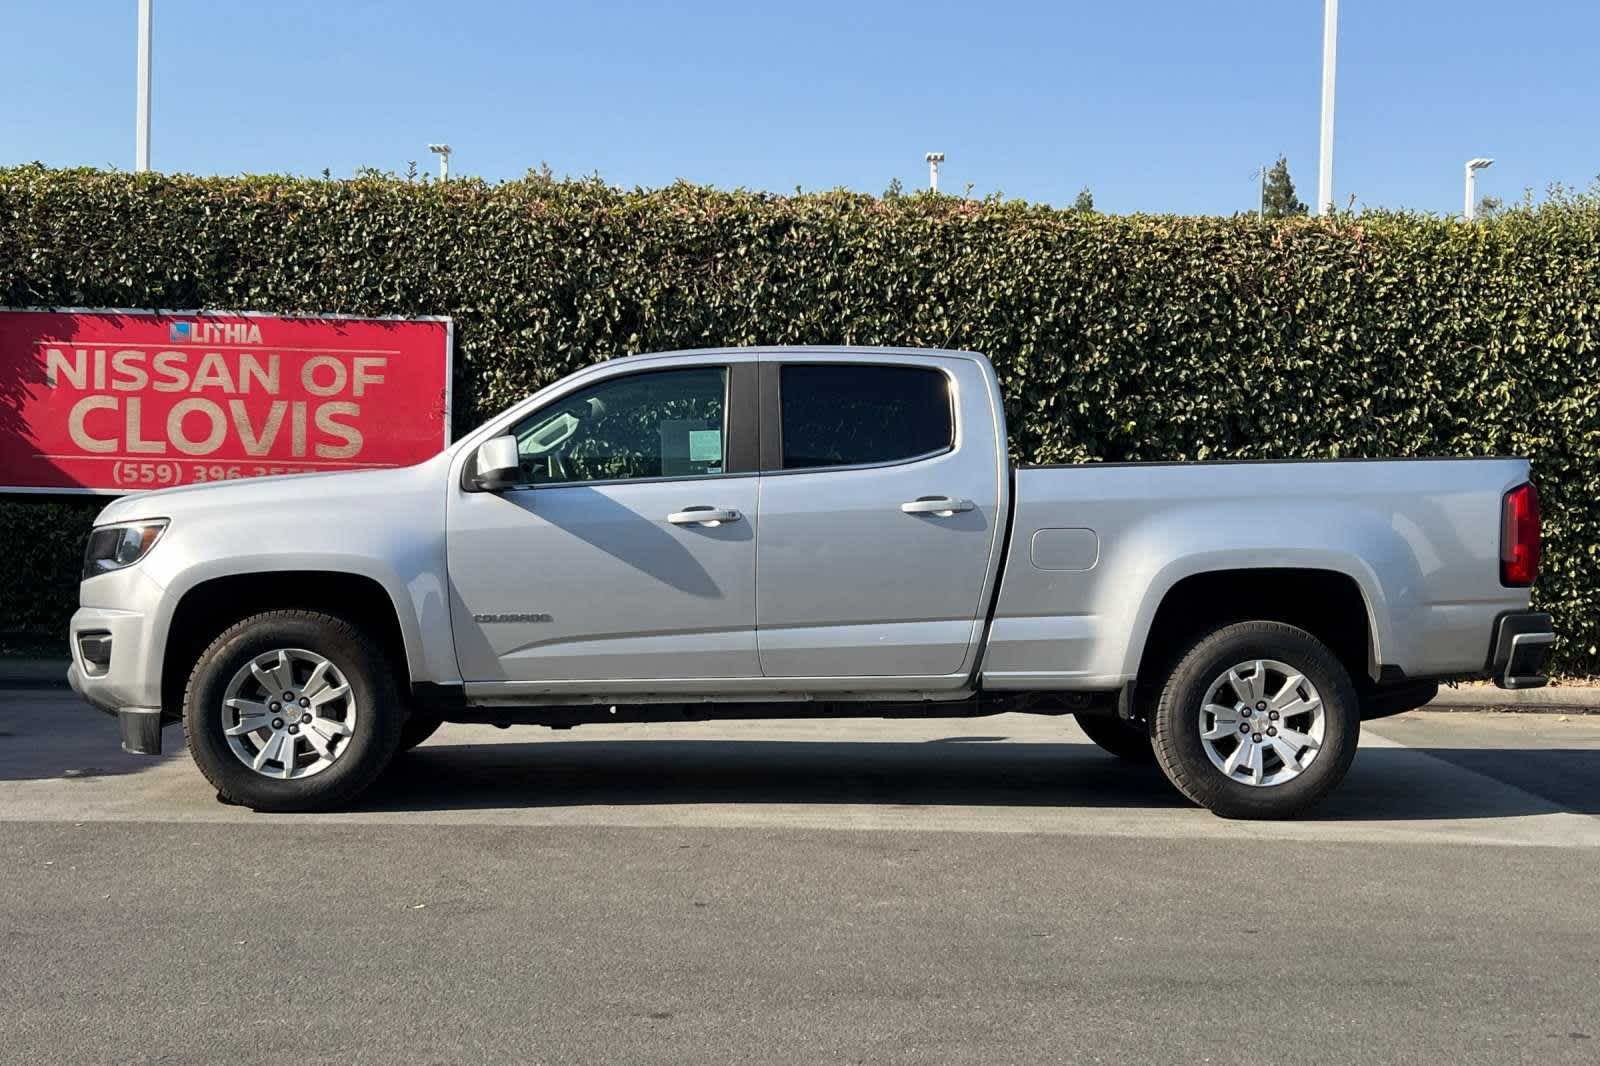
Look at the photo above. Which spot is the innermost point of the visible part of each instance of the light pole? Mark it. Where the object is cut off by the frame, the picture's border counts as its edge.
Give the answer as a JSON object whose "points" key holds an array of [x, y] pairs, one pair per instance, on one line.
{"points": [[443, 152], [141, 132], [934, 159], [1261, 199], [1472, 168], [1330, 61]]}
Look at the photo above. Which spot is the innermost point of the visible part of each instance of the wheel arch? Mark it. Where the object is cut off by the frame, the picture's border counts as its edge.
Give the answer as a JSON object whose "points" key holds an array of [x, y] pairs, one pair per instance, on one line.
{"points": [[1333, 604], [209, 606]]}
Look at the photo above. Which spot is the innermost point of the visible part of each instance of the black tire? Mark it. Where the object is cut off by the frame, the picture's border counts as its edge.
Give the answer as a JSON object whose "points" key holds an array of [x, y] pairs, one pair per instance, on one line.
{"points": [[371, 744], [1124, 739], [419, 726], [1176, 728]]}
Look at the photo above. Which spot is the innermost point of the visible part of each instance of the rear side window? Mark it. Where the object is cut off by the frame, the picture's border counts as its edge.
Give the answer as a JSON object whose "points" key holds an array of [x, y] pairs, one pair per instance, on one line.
{"points": [[847, 414]]}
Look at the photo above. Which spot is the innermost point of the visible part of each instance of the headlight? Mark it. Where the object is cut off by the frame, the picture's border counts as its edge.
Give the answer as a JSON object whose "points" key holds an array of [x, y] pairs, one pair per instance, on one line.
{"points": [[114, 547]]}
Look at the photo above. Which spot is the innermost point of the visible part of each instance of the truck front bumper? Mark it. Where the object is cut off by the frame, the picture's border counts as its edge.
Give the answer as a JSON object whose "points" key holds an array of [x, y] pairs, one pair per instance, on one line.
{"points": [[1521, 644], [109, 670]]}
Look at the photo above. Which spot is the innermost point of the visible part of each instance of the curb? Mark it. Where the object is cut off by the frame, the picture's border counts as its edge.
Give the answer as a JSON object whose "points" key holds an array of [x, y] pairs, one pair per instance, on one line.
{"points": [[1564, 699]]}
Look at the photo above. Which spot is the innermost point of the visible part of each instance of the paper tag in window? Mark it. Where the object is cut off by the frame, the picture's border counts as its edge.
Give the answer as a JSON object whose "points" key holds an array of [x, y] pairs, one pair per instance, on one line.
{"points": [[705, 445]]}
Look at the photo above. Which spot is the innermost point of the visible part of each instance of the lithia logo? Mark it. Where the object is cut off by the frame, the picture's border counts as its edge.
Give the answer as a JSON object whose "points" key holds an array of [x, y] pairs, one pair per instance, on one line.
{"points": [[214, 333], [531, 617]]}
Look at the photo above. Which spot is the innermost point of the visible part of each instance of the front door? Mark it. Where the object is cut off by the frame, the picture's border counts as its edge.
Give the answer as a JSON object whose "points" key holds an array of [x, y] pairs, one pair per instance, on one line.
{"points": [[628, 554], [878, 534]]}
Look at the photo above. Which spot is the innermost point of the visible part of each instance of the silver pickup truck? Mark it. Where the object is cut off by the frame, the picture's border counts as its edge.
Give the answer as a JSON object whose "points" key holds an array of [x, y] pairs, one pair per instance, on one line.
{"points": [[794, 532]]}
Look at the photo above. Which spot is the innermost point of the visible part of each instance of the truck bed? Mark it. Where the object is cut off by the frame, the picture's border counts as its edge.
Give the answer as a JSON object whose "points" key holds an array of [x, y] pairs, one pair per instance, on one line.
{"points": [[1094, 548]]}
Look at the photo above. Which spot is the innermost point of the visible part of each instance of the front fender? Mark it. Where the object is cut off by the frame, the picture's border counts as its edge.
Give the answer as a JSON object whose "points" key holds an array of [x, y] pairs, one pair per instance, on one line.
{"points": [[417, 599]]}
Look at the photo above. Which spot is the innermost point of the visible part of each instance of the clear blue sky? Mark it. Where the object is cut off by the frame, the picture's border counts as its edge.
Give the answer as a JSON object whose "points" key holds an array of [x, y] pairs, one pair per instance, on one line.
{"points": [[1157, 105]]}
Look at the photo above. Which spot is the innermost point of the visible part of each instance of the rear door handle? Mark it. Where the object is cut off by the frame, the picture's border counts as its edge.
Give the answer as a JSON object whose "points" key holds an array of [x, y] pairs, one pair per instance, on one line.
{"points": [[943, 506], [703, 516]]}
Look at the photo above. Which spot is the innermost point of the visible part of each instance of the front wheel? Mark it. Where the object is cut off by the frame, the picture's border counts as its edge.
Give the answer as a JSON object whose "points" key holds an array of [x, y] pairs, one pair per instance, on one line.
{"points": [[292, 711], [1257, 720]]}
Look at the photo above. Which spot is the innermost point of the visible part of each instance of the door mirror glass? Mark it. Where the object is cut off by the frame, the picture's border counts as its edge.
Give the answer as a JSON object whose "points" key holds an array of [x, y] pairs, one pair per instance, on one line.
{"points": [[497, 464]]}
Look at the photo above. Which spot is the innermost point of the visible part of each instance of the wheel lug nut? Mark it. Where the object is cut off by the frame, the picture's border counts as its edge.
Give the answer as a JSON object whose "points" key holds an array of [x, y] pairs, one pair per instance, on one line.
{"points": [[1245, 728], [1256, 737], [294, 729], [277, 723], [288, 697], [274, 706], [304, 702], [1261, 706], [1246, 712], [1272, 731], [1272, 715]]}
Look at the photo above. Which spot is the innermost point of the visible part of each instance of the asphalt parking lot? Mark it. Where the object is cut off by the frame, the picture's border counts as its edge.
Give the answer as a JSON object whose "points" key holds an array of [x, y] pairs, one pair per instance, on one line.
{"points": [[985, 890]]}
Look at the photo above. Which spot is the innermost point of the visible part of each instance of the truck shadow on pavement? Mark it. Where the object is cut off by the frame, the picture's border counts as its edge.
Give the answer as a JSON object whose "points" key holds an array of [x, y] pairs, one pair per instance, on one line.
{"points": [[50, 734], [946, 771], [1384, 784]]}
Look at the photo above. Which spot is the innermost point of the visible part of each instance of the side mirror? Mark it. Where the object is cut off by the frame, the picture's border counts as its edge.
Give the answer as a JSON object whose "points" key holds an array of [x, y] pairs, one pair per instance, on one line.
{"points": [[498, 465]]}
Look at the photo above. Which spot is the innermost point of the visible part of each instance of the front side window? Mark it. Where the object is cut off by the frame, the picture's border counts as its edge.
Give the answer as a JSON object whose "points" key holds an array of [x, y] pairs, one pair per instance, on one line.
{"points": [[843, 414], [666, 423]]}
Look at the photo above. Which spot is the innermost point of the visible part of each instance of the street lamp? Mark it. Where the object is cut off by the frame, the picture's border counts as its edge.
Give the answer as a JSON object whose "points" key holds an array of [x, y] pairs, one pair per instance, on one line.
{"points": [[443, 152], [1473, 166], [934, 159], [1330, 56], [141, 129]]}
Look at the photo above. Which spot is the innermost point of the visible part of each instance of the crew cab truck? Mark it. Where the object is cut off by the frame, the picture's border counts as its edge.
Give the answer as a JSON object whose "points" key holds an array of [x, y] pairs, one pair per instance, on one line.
{"points": [[785, 532]]}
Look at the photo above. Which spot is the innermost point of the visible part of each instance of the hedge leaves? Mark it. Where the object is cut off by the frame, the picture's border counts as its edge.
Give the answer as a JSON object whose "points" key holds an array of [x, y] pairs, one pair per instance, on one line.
{"points": [[1117, 338]]}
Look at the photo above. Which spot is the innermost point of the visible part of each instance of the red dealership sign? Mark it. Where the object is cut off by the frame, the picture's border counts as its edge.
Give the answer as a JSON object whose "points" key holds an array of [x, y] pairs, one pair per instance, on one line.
{"points": [[119, 401]]}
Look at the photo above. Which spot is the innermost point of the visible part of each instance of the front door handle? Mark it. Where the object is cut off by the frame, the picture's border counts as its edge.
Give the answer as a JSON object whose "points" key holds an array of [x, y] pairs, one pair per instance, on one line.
{"points": [[703, 516], [943, 506]]}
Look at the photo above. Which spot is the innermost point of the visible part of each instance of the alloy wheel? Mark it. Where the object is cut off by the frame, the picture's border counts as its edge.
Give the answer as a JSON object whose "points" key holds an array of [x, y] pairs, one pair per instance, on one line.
{"points": [[1262, 722], [288, 714]]}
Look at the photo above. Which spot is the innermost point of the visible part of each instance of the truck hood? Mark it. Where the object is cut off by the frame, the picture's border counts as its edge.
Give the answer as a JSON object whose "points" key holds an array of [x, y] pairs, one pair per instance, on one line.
{"points": [[245, 498]]}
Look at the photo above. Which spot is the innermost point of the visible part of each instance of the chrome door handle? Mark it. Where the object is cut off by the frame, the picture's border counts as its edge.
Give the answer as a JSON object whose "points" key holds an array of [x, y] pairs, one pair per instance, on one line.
{"points": [[703, 516], [943, 506]]}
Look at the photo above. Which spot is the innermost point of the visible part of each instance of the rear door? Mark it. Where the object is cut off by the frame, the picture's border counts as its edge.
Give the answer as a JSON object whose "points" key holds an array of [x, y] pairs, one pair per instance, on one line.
{"points": [[881, 492]]}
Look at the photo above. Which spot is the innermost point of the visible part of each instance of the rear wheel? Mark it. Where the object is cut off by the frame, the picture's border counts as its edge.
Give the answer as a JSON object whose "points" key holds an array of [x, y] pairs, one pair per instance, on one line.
{"points": [[1257, 720], [291, 711], [1122, 738]]}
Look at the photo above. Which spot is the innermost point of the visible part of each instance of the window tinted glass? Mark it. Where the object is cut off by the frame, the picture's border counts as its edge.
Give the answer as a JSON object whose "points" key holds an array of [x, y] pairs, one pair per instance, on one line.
{"points": [[671, 423], [839, 415]]}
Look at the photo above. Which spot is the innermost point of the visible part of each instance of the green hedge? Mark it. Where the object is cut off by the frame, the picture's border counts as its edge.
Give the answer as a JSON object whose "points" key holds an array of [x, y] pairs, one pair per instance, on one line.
{"points": [[1117, 338], [43, 539]]}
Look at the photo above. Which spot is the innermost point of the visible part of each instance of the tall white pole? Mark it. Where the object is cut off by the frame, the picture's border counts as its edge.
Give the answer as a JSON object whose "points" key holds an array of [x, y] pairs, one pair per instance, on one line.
{"points": [[141, 150], [1261, 202], [1470, 191], [443, 152], [1330, 61]]}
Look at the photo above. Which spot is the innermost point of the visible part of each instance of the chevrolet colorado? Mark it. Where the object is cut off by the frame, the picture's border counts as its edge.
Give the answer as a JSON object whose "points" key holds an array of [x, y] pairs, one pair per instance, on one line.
{"points": [[803, 532]]}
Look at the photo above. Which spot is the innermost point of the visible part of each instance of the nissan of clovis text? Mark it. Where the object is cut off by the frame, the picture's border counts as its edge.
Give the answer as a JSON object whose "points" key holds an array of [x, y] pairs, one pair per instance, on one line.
{"points": [[803, 532]]}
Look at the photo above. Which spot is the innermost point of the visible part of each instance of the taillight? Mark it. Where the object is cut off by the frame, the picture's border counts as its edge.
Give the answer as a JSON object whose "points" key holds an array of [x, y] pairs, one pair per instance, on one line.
{"points": [[1519, 537]]}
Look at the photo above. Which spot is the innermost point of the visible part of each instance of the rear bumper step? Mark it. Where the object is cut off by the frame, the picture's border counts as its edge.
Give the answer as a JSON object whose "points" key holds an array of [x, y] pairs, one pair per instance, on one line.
{"points": [[1522, 641]]}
